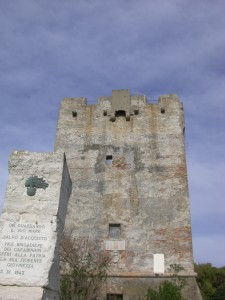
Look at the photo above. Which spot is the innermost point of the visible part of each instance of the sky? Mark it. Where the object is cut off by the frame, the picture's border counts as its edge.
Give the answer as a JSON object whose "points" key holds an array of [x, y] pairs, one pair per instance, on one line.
{"points": [[50, 50]]}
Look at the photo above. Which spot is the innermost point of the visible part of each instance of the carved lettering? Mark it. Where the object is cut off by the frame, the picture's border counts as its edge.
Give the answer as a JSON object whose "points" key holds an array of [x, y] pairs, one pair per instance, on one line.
{"points": [[23, 247]]}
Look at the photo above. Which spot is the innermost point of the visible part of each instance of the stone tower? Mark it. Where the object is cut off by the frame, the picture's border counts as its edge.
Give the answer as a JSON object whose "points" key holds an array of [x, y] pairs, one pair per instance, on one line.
{"points": [[127, 164]]}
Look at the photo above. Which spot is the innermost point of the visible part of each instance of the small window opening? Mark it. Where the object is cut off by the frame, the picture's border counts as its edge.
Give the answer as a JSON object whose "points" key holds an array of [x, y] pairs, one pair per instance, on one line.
{"points": [[120, 113], [163, 110], [136, 112], [114, 231], [114, 296], [104, 112], [108, 159], [74, 114]]}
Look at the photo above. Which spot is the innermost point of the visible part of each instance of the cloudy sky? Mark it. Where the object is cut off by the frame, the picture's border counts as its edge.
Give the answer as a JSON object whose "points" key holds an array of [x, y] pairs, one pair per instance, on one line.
{"points": [[55, 49]]}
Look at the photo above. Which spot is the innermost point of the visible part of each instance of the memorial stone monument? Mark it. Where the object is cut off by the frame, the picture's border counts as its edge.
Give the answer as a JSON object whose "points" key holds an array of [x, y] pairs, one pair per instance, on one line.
{"points": [[31, 224]]}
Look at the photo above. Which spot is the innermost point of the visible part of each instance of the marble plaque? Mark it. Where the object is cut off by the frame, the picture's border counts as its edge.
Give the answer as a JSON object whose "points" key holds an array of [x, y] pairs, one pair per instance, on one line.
{"points": [[115, 245], [26, 251], [159, 263]]}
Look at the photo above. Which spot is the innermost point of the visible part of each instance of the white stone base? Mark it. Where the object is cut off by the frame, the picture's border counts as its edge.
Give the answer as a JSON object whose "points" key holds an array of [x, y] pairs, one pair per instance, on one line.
{"points": [[25, 293]]}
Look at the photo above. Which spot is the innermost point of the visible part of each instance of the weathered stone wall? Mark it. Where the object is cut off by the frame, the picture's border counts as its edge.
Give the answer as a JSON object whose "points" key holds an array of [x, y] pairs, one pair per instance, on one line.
{"points": [[145, 187], [134, 288], [31, 226]]}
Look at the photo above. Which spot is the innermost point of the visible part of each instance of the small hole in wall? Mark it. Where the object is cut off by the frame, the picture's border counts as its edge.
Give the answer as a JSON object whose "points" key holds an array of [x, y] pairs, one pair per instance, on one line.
{"points": [[74, 113], [104, 112], [163, 110], [136, 112], [114, 297], [120, 113], [108, 159]]}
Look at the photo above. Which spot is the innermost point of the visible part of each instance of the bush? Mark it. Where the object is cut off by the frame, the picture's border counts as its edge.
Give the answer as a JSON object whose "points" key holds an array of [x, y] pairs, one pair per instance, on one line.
{"points": [[83, 268], [211, 281], [167, 291], [220, 293]]}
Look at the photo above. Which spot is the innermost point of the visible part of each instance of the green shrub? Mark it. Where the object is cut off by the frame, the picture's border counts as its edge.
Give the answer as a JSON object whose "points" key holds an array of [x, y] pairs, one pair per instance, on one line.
{"points": [[167, 291]]}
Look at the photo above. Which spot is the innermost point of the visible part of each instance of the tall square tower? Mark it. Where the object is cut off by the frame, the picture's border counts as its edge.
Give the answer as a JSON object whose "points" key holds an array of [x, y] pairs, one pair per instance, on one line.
{"points": [[129, 186]]}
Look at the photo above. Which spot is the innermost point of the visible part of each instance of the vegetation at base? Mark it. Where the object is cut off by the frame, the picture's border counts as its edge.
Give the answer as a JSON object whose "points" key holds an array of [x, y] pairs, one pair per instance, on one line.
{"points": [[211, 281], [83, 268], [169, 290]]}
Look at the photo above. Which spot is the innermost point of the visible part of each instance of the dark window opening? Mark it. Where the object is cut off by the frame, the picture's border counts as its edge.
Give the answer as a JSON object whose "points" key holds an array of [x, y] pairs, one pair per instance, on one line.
{"points": [[120, 113], [114, 296], [105, 113], [136, 112], [114, 231], [74, 114], [163, 110], [108, 159]]}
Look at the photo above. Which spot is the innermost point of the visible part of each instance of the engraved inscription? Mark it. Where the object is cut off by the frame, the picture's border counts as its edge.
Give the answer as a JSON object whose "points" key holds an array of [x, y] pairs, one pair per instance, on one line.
{"points": [[24, 248]]}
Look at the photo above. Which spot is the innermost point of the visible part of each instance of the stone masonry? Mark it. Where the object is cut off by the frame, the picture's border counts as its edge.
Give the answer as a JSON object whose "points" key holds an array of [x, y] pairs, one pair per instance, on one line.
{"points": [[127, 164], [31, 226]]}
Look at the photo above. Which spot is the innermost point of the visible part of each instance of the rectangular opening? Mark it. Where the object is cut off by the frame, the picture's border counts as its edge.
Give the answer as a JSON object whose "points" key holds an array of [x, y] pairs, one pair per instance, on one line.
{"points": [[74, 113], [114, 231], [120, 113], [114, 297], [108, 159]]}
